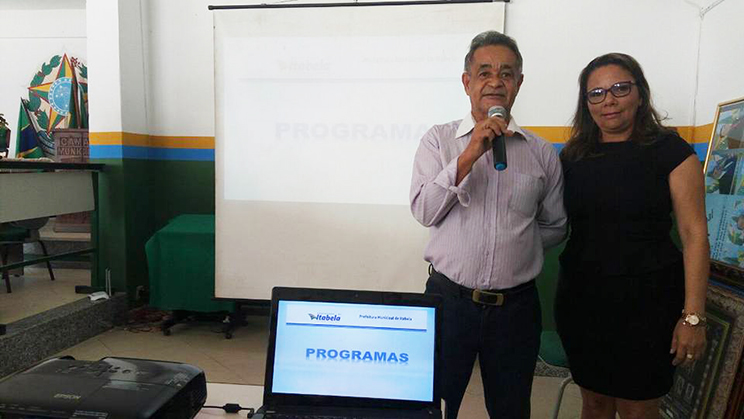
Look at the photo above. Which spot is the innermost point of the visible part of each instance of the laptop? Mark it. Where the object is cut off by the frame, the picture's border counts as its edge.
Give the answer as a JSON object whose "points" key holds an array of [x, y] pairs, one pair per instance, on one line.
{"points": [[352, 354]]}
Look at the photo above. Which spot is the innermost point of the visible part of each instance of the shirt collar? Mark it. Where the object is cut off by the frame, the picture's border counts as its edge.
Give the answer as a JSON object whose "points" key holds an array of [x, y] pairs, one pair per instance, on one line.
{"points": [[468, 123]]}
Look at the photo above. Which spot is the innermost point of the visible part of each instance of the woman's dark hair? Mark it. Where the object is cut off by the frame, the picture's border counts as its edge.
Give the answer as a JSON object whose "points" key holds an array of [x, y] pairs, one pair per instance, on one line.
{"points": [[585, 133]]}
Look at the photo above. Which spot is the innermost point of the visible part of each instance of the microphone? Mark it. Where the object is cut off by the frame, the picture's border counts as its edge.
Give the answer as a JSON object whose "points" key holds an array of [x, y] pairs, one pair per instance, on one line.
{"points": [[498, 143]]}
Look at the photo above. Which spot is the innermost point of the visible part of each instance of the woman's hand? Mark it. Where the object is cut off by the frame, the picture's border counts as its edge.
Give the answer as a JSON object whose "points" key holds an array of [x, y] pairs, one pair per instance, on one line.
{"points": [[688, 342]]}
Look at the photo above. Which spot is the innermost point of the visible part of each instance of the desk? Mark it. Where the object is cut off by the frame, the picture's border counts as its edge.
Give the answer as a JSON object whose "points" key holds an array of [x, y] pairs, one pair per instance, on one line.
{"points": [[180, 259], [41, 194], [219, 394], [41, 189]]}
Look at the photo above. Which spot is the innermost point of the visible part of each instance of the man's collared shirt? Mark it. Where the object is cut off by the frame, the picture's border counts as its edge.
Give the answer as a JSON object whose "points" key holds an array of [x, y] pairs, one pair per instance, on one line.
{"points": [[489, 231]]}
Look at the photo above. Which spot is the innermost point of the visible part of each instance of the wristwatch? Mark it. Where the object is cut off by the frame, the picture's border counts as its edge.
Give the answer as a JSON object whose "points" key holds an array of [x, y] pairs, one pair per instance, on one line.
{"points": [[693, 319]]}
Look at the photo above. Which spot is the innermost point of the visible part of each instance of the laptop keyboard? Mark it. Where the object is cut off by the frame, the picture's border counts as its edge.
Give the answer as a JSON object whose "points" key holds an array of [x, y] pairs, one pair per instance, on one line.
{"points": [[280, 416], [284, 416]]}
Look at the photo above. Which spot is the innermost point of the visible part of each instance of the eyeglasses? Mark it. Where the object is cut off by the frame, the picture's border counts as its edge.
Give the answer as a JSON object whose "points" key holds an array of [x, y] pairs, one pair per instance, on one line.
{"points": [[596, 96]]}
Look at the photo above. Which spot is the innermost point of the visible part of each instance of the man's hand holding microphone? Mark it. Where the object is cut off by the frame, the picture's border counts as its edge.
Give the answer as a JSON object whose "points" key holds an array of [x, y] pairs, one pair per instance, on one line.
{"points": [[487, 135]]}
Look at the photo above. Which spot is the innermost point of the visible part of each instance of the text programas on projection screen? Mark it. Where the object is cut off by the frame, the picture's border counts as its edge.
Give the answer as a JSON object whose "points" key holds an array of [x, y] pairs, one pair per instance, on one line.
{"points": [[319, 112]]}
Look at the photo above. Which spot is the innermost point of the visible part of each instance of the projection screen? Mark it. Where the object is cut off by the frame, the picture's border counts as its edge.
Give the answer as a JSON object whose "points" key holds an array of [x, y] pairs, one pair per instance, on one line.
{"points": [[319, 112]]}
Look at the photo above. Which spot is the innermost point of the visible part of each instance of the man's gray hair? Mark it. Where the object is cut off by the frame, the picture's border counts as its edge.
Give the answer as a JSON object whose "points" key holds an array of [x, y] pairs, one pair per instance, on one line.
{"points": [[489, 38]]}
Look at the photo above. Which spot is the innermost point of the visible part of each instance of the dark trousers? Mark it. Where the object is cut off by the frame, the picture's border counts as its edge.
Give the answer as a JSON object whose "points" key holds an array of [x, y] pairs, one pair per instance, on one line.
{"points": [[505, 338]]}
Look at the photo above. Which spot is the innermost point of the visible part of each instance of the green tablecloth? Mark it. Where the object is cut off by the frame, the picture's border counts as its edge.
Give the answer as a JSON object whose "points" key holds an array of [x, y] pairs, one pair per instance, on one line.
{"points": [[180, 259]]}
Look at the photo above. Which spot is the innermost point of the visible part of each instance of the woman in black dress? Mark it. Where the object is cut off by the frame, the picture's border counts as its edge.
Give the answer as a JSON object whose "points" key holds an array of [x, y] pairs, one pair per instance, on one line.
{"points": [[623, 281]]}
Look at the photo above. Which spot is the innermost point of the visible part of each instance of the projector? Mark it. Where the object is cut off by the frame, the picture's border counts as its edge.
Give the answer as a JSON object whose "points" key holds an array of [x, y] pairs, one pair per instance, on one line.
{"points": [[110, 388]]}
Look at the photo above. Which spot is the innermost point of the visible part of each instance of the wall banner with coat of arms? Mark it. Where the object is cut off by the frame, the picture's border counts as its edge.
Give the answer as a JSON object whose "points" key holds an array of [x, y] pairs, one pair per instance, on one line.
{"points": [[57, 98]]}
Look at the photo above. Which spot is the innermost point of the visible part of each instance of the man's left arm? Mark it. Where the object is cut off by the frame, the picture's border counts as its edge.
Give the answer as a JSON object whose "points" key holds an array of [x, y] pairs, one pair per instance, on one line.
{"points": [[551, 214]]}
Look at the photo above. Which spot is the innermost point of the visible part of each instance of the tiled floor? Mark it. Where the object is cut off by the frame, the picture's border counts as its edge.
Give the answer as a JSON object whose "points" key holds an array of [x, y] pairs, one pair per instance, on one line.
{"points": [[238, 360], [34, 292]]}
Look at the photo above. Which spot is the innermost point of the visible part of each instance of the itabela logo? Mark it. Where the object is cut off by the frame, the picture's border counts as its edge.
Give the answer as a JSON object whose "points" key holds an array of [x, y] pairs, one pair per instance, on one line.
{"points": [[325, 317]]}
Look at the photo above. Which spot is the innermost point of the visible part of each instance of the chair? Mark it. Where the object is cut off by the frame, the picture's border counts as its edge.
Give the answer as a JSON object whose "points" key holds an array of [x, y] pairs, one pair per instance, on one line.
{"points": [[4, 142], [551, 348], [20, 232], [552, 354]]}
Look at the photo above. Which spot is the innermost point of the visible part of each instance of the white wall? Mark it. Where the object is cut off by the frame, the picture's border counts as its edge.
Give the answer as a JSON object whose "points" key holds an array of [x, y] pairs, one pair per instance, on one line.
{"points": [[721, 59], [134, 106], [104, 80], [557, 39], [180, 67], [30, 35], [116, 71]]}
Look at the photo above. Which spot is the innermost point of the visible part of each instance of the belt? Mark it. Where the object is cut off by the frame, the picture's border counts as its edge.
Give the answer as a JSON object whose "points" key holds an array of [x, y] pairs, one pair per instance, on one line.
{"points": [[485, 297]]}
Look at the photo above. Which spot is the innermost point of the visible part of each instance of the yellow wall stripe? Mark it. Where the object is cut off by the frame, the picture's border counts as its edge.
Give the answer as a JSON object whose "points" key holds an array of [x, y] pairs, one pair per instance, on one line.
{"points": [[104, 138], [691, 134], [703, 133], [554, 134], [144, 140]]}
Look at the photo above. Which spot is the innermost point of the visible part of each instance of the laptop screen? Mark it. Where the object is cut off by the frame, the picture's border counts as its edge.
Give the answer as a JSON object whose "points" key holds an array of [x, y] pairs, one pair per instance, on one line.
{"points": [[355, 350]]}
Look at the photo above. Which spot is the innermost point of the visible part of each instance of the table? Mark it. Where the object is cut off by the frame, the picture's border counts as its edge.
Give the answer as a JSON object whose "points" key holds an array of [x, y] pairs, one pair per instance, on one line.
{"points": [[34, 194], [35, 189], [180, 259], [218, 394]]}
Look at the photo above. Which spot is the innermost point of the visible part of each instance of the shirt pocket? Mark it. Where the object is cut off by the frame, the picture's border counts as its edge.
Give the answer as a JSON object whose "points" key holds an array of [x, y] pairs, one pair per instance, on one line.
{"points": [[524, 191]]}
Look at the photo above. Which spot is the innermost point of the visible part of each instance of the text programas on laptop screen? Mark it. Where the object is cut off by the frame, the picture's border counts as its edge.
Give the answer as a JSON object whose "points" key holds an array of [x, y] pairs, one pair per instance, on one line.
{"points": [[354, 350]]}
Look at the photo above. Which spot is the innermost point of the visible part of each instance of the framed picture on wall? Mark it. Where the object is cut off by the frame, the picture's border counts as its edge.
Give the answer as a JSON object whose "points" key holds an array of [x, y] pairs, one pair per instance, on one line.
{"points": [[701, 389], [736, 399], [724, 193]]}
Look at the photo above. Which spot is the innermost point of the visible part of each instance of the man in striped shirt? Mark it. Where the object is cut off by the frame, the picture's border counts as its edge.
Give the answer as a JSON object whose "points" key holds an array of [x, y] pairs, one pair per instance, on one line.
{"points": [[488, 231]]}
